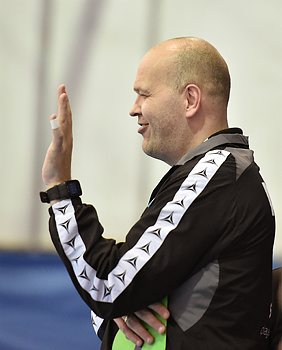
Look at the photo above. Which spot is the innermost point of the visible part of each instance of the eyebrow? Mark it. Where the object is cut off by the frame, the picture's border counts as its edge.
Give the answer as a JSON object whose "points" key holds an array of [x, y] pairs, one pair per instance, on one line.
{"points": [[140, 90]]}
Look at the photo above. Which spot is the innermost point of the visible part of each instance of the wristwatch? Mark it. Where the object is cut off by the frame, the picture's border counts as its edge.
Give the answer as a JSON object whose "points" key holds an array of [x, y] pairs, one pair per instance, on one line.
{"points": [[65, 190]]}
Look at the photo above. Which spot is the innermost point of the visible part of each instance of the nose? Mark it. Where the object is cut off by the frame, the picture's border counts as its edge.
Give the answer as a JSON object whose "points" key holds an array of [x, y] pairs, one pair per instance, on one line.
{"points": [[135, 110]]}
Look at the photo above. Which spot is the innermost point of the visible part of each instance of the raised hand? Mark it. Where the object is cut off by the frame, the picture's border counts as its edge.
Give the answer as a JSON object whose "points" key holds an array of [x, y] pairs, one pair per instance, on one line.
{"points": [[57, 164]]}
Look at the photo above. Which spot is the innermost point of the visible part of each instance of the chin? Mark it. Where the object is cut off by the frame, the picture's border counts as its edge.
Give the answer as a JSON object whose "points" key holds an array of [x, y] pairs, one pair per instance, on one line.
{"points": [[153, 153], [149, 151]]}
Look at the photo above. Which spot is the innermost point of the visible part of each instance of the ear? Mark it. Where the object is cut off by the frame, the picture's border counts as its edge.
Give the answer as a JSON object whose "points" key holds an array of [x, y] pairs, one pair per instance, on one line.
{"points": [[193, 96]]}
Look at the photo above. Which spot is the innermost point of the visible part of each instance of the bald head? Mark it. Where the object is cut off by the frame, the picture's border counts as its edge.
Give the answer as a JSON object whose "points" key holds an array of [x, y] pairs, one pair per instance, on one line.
{"points": [[195, 61], [182, 88]]}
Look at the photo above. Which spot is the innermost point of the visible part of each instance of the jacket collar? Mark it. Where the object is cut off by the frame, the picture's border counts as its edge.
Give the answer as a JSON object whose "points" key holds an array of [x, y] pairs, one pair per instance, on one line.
{"points": [[223, 137]]}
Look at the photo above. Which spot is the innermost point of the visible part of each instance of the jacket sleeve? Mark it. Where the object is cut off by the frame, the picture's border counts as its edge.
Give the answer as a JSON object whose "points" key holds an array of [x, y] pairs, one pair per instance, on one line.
{"points": [[183, 224]]}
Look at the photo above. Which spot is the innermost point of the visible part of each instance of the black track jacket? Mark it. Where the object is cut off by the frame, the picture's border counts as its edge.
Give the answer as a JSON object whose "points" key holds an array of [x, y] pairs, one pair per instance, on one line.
{"points": [[205, 241]]}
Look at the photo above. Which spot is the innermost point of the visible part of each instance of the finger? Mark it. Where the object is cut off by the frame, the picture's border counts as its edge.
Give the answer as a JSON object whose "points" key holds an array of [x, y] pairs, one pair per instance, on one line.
{"points": [[138, 328], [61, 89], [151, 319], [160, 309], [64, 110], [128, 332]]}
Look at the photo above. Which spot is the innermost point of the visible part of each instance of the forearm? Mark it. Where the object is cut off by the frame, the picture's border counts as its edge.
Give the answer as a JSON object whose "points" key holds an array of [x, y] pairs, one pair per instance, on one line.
{"points": [[96, 265]]}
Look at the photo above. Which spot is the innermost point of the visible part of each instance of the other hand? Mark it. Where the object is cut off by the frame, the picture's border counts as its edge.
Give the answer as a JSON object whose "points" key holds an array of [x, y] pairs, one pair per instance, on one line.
{"points": [[134, 329]]}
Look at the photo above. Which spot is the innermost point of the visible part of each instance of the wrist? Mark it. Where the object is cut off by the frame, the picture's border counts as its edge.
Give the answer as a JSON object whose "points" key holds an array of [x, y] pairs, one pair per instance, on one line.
{"points": [[56, 181], [53, 184]]}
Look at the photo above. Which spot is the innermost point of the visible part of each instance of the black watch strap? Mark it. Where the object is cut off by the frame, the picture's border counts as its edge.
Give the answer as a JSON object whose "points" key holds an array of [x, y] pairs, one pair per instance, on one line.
{"points": [[68, 189]]}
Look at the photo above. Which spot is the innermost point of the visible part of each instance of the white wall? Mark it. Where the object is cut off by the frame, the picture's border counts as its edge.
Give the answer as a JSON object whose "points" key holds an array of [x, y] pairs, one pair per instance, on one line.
{"points": [[94, 46]]}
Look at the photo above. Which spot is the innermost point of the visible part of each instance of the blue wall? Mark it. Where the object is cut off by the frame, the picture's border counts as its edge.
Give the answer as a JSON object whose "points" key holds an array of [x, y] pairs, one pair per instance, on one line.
{"points": [[39, 307]]}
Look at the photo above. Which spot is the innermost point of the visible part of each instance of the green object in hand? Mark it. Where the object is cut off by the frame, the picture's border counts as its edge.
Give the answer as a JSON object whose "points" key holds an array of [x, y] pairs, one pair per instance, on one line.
{"points": [[122, 343]]}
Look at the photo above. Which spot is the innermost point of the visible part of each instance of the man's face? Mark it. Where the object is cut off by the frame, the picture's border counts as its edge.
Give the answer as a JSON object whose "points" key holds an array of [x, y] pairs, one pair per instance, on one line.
{"points": [[160, 110]]}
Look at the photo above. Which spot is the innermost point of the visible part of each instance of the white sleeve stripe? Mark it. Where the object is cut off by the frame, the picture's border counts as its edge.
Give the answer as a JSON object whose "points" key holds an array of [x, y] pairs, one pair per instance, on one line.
{"points": [[96, 321], [148, 244]]}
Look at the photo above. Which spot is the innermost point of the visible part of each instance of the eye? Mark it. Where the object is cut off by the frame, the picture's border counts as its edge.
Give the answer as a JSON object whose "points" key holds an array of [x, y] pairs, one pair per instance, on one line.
{"points": [[144, 94]]}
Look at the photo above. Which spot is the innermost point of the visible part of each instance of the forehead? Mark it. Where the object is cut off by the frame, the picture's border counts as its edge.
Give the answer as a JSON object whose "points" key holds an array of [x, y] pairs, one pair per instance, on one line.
{"points": [[153, 70]]}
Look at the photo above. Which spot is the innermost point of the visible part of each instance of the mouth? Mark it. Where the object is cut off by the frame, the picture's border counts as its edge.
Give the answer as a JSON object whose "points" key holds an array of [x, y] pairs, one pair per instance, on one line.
{"points": [[143, 127]]}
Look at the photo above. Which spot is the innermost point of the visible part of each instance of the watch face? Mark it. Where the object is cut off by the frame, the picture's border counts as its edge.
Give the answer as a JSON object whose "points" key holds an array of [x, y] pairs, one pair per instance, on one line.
{"points": [[74, 188]]}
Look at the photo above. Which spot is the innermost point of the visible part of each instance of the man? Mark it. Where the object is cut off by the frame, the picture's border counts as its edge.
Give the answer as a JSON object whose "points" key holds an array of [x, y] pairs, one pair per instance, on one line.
{"points": [[204, 242]]}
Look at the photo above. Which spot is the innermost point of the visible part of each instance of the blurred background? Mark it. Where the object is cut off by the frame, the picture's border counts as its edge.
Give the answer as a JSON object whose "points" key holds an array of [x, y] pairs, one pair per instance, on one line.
{"points": [[94, 47]]}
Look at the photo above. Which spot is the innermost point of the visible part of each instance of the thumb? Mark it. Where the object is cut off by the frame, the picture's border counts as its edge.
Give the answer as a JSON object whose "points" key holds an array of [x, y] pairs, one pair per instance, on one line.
{"points": [[55, 126]]}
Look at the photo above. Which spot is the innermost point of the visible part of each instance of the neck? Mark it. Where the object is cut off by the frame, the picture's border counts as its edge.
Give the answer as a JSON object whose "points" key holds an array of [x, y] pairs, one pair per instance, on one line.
{"points": [[195, 139]]}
